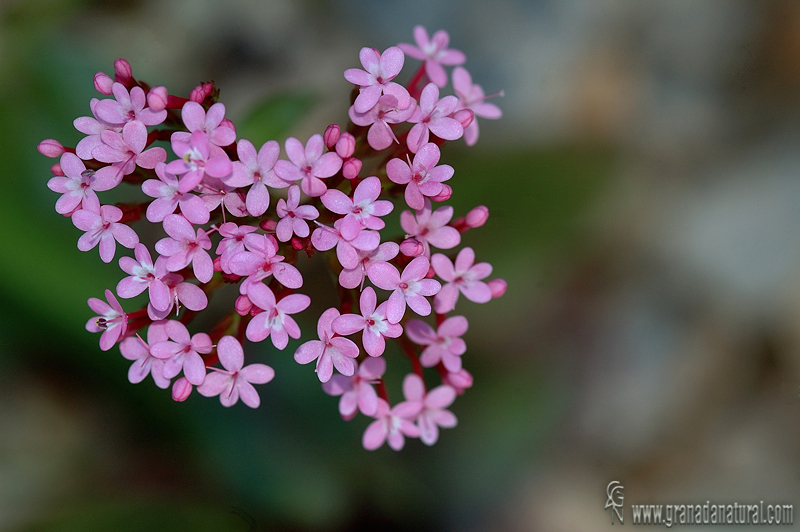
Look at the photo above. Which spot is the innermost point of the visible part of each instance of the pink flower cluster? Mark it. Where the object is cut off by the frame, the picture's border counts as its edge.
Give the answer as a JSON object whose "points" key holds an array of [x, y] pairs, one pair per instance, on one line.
{"points": [[232, 213]]}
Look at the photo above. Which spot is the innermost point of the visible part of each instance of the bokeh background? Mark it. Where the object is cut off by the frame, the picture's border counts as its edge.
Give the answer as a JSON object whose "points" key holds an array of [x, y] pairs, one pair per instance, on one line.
{"points": [[644, 190]]}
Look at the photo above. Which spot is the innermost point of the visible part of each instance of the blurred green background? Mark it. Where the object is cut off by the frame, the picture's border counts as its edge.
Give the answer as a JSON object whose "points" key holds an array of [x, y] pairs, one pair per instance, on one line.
{"points": [[643, 187]]}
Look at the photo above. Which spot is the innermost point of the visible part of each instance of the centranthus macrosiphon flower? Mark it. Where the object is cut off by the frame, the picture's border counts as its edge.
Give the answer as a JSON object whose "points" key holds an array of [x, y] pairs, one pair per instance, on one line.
{"points": [[227, 213]]}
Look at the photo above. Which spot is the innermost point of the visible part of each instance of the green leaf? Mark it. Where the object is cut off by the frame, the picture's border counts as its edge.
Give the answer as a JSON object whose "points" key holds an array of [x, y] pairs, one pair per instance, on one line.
{"points": [[275, 116]]}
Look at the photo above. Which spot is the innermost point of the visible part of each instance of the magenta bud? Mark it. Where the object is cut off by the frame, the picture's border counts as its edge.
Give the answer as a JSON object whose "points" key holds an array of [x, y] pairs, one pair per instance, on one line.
{"points": [[122, 71], [243, 305], [50, 148], [181, 390], [460, 380], [346, 145], [498, 287], [477, 216], [411, 247], [217, 262], [351, 168], [56, 169], [464, 116], [331, 136], [444, 195], [157, 98], [103, 83]]}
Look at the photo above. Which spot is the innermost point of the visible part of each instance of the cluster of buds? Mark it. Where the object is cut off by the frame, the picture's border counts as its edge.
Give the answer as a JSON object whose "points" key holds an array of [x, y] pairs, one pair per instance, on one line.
{"points": [[217, 194]]}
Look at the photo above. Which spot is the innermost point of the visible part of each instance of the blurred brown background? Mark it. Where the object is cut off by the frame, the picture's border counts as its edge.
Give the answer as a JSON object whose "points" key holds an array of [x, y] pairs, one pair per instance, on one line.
{"points": [[644, 186]]}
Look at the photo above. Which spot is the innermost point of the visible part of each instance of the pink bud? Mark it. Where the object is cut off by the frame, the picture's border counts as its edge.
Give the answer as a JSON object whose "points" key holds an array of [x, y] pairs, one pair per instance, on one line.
{"points": [[346, 145], [243, 305], [122, 71], [227, 123], [181, 390], [157, 98], [477, 216], [460, 380], [331, 136], [498, 287], [351, 168], [200, 92], [444, 195], [103, 83], [464, 116], [268, 225], [50, 148], [411, 247], [217, 264], [56, 169]]}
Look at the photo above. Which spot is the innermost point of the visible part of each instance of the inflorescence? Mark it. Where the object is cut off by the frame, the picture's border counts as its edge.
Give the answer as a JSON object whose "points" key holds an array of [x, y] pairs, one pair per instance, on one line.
{"points": [[217, 194]]}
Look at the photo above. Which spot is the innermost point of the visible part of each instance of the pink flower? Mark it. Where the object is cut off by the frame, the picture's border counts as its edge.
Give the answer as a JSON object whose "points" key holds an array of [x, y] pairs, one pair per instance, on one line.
{"points": [[329, 351], [167, 191], [275, 320], [432, 414], [443, 345], [78, 185], [308, 165], [125, 150], [372, 321], [112, 320], [463, 277], [471, 97], [190, 295], [324, 238], [182, 352], [235, 381], [127, 107], [260, 261], [353, 277], [142, 276], [103, 228], [293, 216], [387, 111], [423, 177], [196, 160], [392, 425], [256, 170], [431, 229], [361, 212], [357, 391], [433, 115], [93, 127], [214, 192], [376, 78], [218, 132], [186, 247], [144, 363], [434, 52], [408, 288], [232, 242]]}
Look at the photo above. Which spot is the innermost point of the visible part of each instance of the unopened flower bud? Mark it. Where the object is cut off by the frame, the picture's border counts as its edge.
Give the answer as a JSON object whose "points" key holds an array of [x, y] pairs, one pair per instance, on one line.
{"points": [[297, 243], [157, 98], [200, 92], [217, 264], [56, 169], [243, 305], [268, 224], [331, 136], [50, 148], [346, 145], [351, 168], [122, 71], [444, 195], [477, 216], [227, 123], [181, 390], [498, 287], [465, 117], [460, 380], [411, 247], [103, 83]]}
